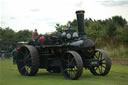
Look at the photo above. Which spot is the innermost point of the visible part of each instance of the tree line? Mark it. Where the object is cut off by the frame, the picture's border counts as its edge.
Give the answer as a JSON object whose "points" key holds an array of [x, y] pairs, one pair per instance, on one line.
{"points": [[9, 37], [113, 31]]}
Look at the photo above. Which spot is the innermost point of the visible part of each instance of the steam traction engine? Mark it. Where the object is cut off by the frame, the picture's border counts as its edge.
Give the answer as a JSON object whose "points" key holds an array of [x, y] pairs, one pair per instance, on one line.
{"points": [[67, 51]]}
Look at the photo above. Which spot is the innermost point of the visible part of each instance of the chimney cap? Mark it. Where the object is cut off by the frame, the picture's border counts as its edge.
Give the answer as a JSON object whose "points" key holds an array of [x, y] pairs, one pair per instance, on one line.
{"points": [[80, 12]]}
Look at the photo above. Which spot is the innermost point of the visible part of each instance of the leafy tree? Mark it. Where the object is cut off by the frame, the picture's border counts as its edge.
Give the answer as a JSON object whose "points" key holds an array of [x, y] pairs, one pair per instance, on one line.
{"points": [[111, 29], [10, 37], [124, 35], [60, 27], [119, 21], [23, 35], [7, 36]]}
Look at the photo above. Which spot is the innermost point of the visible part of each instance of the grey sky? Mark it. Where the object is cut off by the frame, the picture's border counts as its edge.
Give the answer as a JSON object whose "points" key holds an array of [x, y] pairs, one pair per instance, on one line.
{"points": [[44, 14], [114, 2]]}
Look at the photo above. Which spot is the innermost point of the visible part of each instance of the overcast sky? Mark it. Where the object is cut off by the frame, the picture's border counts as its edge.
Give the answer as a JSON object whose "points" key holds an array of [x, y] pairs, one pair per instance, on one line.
{"points": [[44, 14]]}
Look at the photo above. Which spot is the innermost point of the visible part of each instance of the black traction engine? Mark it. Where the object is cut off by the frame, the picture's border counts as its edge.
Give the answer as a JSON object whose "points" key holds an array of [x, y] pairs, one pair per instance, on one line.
{"points": [[65, 51]]}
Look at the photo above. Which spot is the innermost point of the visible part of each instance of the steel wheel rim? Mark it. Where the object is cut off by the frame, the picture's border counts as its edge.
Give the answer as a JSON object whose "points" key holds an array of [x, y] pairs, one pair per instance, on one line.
{"points": [[102, 63], [24, 61], [71, 67]]}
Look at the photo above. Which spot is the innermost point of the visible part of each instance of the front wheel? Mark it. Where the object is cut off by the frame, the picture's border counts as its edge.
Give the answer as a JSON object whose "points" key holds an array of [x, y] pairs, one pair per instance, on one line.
{"points": [[104, 63], [72, 65]]}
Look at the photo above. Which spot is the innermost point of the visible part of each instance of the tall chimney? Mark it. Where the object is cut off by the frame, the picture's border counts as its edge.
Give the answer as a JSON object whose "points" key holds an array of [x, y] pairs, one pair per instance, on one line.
{"points": [[80, 22]]}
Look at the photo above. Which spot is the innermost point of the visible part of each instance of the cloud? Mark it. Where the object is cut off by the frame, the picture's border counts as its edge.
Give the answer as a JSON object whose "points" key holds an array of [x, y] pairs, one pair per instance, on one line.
{"points": [[12, 18], [79, 3], [114, 3], [3, 24], [35, 10]]}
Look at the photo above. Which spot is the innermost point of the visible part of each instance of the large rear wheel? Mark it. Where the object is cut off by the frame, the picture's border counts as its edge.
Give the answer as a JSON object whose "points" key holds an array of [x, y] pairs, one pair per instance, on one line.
{"points": [[104, 63], [72, 65], [28, 60]]}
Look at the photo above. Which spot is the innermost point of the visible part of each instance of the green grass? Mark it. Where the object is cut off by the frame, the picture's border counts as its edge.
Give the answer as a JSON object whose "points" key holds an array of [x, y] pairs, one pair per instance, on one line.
{"points": [[9, 75]]}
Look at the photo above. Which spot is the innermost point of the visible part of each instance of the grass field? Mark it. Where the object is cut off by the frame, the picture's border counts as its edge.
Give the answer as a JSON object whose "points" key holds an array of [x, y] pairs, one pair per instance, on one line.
{"points": [[9, 75]]}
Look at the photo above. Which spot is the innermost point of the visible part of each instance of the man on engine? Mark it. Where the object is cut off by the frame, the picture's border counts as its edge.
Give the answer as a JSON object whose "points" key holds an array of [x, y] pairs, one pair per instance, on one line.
{"points": [[34, 34]]}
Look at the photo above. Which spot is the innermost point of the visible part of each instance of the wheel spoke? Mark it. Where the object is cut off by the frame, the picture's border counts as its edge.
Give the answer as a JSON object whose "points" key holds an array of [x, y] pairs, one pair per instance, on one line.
{"points": [[100, 56], [96, 56], [64, 60], [96, 68], [103, 60], [99, 70], [71, 63], [27, 56], [22, 68], [103, 66]]}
